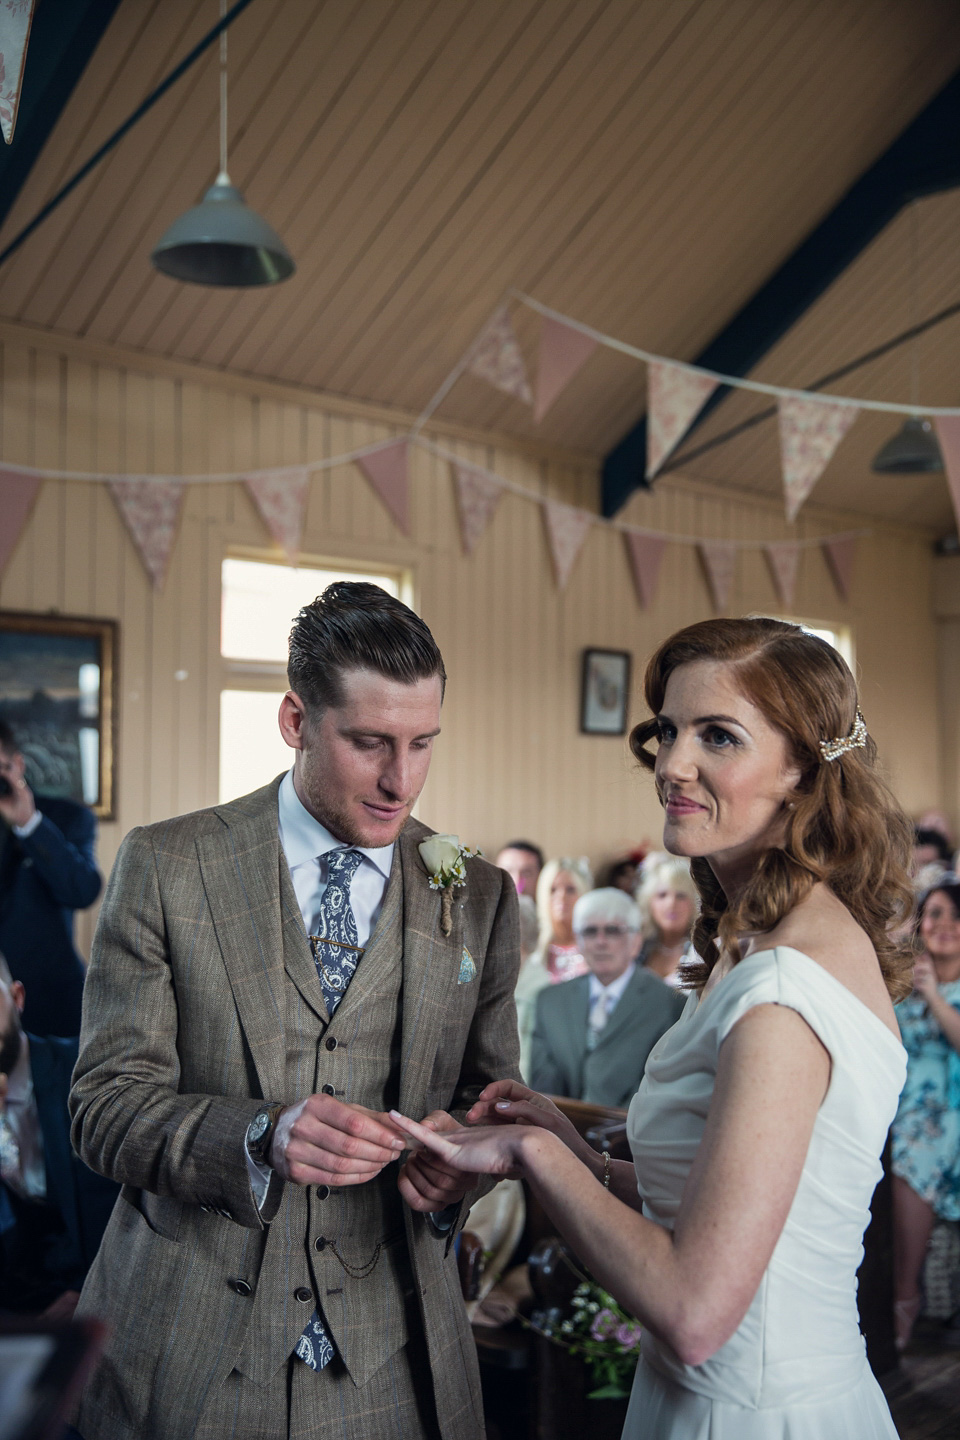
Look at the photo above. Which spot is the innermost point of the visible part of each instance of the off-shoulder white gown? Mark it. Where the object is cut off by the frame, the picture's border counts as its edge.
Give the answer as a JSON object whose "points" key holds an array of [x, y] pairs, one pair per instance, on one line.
{"points": [[796, 1369]]}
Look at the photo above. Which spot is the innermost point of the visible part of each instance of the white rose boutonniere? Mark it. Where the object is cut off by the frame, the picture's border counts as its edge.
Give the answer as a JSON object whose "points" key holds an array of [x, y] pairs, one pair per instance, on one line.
{"points": [[443, 857]]}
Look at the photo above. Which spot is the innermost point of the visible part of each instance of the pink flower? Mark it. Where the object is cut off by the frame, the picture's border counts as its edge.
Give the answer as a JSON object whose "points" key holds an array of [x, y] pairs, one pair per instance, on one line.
{"points": [[628, 1334], [603, 1325]]}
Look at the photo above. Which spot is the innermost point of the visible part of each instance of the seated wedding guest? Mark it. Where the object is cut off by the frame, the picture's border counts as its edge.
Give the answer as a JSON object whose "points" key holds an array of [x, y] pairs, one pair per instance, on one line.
{"points": [[523, 862], [624, 874], [529, 926], [53, 1210], [47, 871], [930, 847], [557, 956], [591, 1038], [926, 1132], [735, 1235], [668, 903]]}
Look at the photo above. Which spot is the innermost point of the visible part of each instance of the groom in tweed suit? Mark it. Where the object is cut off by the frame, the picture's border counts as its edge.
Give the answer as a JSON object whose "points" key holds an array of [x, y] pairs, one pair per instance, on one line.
{"points": [[236, 1068]]}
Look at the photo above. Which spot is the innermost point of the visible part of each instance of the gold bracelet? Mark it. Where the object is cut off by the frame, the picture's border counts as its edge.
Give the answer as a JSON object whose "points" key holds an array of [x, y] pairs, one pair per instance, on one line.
{"points": [[606, 1169]]}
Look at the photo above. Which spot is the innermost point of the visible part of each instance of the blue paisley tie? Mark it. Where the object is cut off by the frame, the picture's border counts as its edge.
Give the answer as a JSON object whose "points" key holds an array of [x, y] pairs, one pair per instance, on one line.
{"points": [[337, 955]]}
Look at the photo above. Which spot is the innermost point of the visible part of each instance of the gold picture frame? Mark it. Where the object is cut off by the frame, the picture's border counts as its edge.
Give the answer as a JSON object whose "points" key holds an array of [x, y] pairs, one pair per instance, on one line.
{"points": [[58, 692]]}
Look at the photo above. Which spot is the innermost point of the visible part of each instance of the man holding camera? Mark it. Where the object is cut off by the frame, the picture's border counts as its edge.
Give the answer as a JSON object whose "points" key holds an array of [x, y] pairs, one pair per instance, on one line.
{"points": [[47, 871]]}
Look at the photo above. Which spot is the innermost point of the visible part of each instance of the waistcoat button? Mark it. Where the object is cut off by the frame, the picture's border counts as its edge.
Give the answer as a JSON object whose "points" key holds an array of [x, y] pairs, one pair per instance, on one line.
{"points": [[323, 1191], [241, 1287], [320, 1243], [331, 1042], [328, 1090], [303, 1294]]}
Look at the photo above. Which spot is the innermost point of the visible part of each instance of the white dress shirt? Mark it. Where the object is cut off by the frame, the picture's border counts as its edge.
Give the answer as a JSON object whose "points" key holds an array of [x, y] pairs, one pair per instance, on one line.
{"points": [[611, 994], [305, 844], [22, 1167]]}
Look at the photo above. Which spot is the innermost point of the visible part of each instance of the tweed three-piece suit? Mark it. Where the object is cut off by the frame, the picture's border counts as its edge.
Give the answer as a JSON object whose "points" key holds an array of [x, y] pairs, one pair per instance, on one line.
{"points": [[202, 1002]]}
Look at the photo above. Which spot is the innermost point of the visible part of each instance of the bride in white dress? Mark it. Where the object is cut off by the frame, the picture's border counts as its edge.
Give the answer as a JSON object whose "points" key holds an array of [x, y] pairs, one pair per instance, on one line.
{"points": [[736, 1235]]}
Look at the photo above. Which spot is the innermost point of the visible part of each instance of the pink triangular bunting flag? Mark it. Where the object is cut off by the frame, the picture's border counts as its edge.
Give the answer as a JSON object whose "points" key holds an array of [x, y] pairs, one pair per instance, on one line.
{"points": [[674, 399], [281, 500], [17, 495], [810, 431], [566, 531], [386, 469], [497, 358], [150, 509], [645, 553], [948, 433], [16, 17], [839, 556], [719, 559], [562, 352], [477, 498], [783, 560]]}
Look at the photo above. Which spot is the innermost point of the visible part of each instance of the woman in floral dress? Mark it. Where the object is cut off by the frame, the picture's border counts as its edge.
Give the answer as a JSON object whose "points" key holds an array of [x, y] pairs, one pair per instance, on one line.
{"points": [[926, 1132]]}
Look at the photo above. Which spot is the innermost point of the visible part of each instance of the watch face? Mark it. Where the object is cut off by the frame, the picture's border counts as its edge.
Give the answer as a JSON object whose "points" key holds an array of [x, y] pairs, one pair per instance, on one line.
{"points": [[259, 1126]]}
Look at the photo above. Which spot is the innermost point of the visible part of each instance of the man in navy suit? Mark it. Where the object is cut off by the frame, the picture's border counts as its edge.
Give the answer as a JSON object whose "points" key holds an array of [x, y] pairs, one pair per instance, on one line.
{"points": [[47, 871], [53, 1210]]}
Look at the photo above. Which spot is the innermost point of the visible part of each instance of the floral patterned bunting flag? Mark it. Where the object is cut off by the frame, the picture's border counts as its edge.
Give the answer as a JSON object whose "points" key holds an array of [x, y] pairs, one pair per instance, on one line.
{"points": [[498, 359], [645, 553], [16, 17], [477, 498], [386, 469], [562, 352], [719, 559], [150, 509], [783, 560], [675, 398], [281, 500], [839, 556], [17, 495], [810, 431], [566, 531], [948, 434]]}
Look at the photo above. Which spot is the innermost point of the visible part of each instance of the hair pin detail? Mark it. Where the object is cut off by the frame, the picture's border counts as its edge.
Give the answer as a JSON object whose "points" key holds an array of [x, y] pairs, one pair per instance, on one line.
{"points": [[856, 740]]}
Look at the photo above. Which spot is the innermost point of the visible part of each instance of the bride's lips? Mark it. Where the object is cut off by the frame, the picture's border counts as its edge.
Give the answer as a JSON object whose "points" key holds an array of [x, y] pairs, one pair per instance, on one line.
{"points": [[679, 805]]}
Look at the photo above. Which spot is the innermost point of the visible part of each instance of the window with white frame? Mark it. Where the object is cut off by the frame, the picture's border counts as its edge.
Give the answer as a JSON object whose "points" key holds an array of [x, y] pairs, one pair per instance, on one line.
{"points": [[259, 602]]}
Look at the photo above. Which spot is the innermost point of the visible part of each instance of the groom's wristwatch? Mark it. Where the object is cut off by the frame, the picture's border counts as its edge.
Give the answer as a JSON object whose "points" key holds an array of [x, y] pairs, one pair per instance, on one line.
{"points": [[260, 1133]]}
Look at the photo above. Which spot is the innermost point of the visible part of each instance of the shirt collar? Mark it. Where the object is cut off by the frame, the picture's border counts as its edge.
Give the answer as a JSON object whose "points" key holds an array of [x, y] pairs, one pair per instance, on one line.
{"points": [[20, 1079], [304, 838], [616, 987]]}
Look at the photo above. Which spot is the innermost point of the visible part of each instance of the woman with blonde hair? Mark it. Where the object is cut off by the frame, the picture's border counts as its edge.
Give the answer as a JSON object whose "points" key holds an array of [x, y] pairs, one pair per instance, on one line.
{"points": [[668, 902], [557, 956], [736, 1233]]}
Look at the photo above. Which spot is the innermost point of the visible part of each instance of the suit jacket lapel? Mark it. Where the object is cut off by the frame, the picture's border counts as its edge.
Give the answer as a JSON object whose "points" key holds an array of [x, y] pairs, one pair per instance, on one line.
{"points": [[431, 966], [239, 865]]}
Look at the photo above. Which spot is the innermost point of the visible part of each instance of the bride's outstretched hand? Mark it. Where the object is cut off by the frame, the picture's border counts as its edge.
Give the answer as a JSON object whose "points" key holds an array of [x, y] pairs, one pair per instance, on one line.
{"points": [[507, 1102], [486, 1150]]}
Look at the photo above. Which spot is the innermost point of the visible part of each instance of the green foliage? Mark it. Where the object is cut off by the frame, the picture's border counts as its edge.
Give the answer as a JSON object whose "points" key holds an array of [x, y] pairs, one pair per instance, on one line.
{"points": [[605, 1337]]}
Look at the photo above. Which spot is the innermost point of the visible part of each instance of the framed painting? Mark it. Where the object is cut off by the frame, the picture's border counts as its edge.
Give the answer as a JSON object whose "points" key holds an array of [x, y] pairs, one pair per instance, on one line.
{"points": [[604, 691], [58, 692]]}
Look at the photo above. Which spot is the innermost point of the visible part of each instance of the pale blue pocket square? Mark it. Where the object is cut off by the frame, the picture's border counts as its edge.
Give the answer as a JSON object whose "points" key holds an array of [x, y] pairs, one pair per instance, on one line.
{"points": [[468, 969]]}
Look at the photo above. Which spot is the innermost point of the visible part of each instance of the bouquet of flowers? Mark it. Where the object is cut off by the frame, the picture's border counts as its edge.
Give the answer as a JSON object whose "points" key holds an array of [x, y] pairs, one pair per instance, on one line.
{"points": [[603, 1335]]}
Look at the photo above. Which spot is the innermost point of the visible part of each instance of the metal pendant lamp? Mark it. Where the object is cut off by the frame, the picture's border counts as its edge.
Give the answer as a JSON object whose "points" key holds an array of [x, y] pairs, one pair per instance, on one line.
{"points": [[914, 449], [222, 241]]}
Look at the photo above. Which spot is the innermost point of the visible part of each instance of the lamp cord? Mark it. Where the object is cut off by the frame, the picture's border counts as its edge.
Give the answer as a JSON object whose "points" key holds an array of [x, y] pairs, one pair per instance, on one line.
{"points": [[223, 90], [128, 124]]}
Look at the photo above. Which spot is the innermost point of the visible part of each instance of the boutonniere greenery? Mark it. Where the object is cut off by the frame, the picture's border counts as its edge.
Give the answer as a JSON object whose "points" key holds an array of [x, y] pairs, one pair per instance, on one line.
{"points": [[444, 856]]}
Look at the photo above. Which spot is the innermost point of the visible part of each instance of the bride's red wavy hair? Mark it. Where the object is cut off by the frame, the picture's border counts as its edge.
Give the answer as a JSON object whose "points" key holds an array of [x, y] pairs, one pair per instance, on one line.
{"points": [[845, 829]]}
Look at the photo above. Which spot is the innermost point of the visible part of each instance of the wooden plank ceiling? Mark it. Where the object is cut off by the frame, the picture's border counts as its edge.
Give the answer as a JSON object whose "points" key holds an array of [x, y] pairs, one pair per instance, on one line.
{"points": [[642, 165]]}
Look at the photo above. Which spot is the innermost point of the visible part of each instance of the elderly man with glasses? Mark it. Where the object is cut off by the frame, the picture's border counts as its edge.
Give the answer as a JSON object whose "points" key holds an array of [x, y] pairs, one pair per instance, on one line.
{"points": [[592, 1036]]}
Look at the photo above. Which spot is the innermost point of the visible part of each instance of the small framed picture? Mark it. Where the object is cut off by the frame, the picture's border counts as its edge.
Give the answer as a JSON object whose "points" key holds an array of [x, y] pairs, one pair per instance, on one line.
{"points": [[58, 677], [604, 691]]}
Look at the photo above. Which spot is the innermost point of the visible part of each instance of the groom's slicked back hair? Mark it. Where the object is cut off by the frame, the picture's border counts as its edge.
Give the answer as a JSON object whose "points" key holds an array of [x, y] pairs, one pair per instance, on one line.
{"points": [[354, 625]]}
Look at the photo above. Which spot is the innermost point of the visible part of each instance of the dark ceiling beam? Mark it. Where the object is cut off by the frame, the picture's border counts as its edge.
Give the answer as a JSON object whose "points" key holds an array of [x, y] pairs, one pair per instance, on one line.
{"points": [[925, 159], [63, 37]]}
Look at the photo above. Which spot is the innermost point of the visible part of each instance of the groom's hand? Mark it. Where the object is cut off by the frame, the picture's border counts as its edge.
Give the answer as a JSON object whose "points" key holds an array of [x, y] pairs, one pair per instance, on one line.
{"points": [[425, 1182], [323, 1141]]}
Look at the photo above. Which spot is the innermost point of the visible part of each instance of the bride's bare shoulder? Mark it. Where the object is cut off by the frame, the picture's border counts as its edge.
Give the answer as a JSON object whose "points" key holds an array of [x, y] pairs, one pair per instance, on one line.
{"points": [[822, 928]]}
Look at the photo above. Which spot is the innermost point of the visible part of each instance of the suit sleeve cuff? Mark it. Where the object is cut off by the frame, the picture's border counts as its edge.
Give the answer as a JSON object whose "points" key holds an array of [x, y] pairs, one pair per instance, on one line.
{"points": [[23, 832]]}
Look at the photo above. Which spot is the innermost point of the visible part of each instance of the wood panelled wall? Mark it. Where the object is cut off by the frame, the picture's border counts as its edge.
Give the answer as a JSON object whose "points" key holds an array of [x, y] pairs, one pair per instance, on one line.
{"points": [[511, 760]]}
